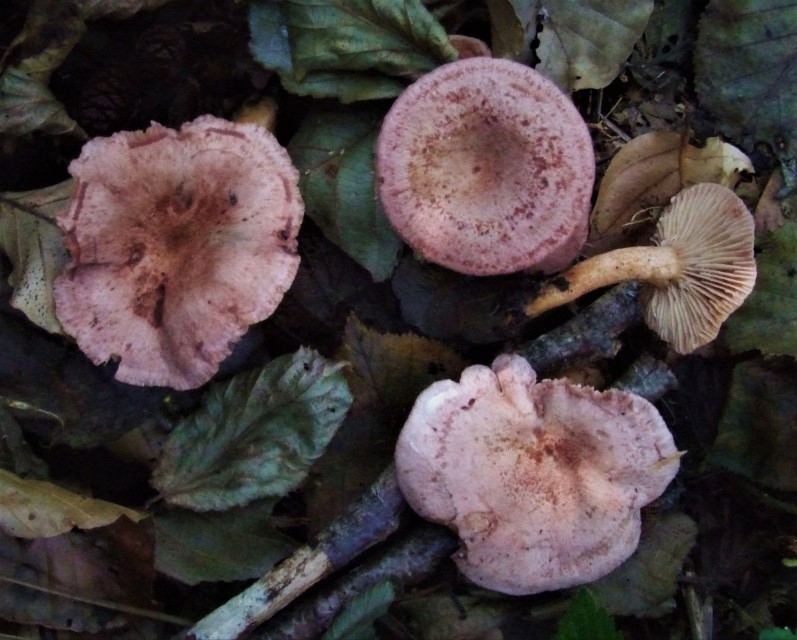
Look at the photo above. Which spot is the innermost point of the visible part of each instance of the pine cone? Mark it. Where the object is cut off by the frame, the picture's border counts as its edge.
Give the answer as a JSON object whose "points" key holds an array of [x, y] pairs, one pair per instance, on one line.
{"points": [[107, 101]]}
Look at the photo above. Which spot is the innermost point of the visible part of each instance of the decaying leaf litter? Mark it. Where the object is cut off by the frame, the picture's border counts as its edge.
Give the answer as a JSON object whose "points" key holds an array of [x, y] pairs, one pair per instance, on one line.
{"points": [[139, 510]]}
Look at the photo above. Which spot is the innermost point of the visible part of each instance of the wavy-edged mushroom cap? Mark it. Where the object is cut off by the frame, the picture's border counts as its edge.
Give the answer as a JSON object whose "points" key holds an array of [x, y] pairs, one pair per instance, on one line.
{"points": [[712, 232], [484, 166], [543, 482], [179, 240]]}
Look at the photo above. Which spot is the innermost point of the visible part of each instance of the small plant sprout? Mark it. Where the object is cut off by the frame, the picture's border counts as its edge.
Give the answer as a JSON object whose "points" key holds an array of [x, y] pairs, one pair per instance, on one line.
{"points": [[700, 270]]}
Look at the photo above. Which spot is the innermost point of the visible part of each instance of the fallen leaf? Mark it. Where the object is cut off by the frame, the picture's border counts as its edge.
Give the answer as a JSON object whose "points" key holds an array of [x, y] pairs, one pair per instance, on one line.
{"points": [[512, 29], [115, 9], [330, 285], [646, 583], [645, 174], [34, 245], [387, 373], [354, 50], [15, 453], [716, 161], [255, 435], [768, 318], [39, 509], [757, 432], [52, 28], [334, 152], [237, 544], [58, 394], [746, 69], [111, 564], [772, 210], [582, 45], [27, 106], [450, 306], [664, 51], [443, 616]]}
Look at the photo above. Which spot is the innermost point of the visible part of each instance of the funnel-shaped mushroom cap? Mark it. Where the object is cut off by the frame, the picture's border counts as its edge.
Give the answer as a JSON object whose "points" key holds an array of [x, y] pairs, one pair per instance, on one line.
{"points": [[485, 167], [179, 241], [712, 232], [543, 482]]}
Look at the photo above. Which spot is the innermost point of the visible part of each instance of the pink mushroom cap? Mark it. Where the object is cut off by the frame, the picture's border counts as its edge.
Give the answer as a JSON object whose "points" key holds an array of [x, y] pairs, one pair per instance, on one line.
{"points": [[543, 482], [179, 240], [485, 167]]}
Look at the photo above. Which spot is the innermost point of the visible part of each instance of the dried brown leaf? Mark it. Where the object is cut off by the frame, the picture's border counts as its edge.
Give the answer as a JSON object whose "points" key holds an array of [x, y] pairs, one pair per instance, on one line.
{"points": [[645, 174]]}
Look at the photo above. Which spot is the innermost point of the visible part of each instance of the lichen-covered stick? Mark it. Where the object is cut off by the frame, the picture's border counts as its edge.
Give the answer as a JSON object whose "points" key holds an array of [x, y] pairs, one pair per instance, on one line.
{"points": [[407, 561], [590, 335], [368, 521]]}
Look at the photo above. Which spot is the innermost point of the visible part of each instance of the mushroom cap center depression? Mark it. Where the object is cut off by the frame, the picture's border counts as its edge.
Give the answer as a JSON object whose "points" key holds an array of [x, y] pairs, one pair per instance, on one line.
{"points": [[195, 215], [483, 172]]}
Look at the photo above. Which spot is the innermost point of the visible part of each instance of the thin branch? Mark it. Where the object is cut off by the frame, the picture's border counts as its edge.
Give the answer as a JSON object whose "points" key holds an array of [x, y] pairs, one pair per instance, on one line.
{"points": [[647, 377], [409, 561], [368, 521], [593, 334]]}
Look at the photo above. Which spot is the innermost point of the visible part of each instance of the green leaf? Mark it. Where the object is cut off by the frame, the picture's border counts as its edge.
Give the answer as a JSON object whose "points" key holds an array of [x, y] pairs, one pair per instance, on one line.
{"points": [[757, 433], [746, 69], [35, 247], [255, 435], [582, 45], [39, 509], [399, 38], [356, 621], [768, 318], [646, 583], [27, 106], [777, 634], [352, 50], [334, 152], [585, 619], [238, 544]]}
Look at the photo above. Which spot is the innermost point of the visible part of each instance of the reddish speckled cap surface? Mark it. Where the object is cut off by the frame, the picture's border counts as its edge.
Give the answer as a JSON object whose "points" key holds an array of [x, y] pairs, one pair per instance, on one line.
{"points": [[484, 166], [543, 482], [179, 240]]}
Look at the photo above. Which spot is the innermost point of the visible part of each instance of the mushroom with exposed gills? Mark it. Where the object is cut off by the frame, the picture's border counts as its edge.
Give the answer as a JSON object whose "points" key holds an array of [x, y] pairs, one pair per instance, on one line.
{"points": [[700, 270], [485, 166], [543, 482]]}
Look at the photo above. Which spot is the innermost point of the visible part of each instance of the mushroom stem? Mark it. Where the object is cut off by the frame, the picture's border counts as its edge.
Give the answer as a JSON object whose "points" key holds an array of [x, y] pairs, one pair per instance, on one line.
{"points": [[655, 265]]}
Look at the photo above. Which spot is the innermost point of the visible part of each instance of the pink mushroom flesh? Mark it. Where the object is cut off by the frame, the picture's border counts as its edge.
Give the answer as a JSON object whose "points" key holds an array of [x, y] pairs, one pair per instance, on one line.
{"points": [[543, 482], [485, 167], [179, 240]]}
